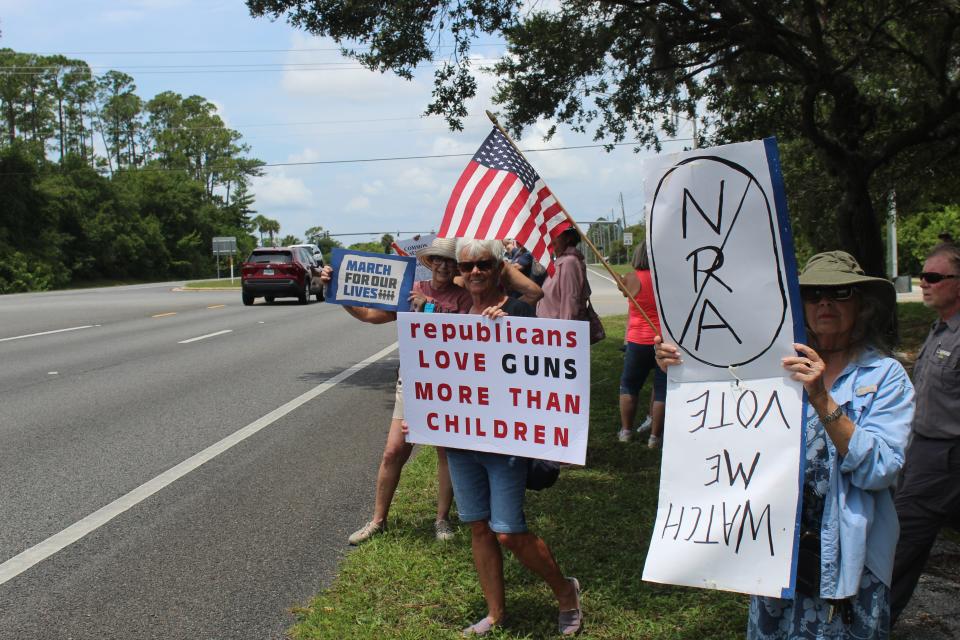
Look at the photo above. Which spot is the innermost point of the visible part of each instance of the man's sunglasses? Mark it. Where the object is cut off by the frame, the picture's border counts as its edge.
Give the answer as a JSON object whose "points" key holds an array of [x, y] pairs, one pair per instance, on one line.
{"points": [[933, 277], [816, 294], [482, 265]]}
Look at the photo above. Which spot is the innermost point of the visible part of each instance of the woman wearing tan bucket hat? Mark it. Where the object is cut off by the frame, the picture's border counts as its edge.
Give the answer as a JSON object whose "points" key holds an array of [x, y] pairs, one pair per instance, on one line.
{"points": [[439, 294], [859, 404]]}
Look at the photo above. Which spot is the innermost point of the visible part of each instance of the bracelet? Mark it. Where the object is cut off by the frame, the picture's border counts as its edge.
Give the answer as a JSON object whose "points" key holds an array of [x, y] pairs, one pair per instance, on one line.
{"points": [[833, 416]]}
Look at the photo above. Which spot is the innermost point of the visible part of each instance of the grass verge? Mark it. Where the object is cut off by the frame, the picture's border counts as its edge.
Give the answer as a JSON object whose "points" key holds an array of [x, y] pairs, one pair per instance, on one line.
{"points": [[224, 283], [596, 519]]}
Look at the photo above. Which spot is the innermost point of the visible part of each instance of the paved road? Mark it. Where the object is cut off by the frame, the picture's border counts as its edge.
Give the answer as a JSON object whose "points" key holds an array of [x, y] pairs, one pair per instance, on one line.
{"points": [[94, 412]]}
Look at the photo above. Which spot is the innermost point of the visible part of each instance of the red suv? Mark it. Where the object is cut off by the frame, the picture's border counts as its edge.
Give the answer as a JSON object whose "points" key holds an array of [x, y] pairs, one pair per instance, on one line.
{"points": [[280, 272]]}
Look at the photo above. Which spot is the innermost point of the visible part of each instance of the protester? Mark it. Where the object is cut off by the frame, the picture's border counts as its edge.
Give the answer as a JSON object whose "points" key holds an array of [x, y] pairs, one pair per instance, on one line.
{"points": [[929, 493], [518, 256], [516, 284], [566, 292], [638, 359], [490, 487], [858, 411], [445, 297]]}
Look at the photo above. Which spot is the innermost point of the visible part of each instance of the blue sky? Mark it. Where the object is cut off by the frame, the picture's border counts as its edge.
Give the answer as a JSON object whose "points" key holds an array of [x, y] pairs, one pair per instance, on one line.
{"points": [[307, 103]]}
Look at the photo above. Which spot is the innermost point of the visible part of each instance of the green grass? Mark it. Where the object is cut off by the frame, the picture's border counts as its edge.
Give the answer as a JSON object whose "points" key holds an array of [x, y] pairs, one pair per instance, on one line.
{"points": [[214, 284], [596, 519]]}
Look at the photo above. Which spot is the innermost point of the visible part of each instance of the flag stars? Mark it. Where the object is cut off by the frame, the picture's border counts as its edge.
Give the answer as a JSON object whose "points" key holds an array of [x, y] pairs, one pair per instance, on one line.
{"points": [[496, 152]]}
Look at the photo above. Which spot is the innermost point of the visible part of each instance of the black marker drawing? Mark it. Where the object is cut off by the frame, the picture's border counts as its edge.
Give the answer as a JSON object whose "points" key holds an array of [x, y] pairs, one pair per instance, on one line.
{"points": [[716, 223]]}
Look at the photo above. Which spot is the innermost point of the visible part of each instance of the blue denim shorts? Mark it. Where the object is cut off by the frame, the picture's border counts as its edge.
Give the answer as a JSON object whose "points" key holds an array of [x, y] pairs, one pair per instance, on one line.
{"points": [[491, 487], [638, 362]]}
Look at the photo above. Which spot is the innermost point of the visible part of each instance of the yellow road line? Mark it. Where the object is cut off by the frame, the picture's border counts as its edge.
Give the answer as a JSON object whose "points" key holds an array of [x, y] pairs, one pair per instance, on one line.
{"points": [[216, 306], [164, 315]]}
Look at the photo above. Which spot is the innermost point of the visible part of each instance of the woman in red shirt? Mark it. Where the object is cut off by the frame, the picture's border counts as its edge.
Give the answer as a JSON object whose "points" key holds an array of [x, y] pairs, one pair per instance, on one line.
{"points": [[638, 358]]}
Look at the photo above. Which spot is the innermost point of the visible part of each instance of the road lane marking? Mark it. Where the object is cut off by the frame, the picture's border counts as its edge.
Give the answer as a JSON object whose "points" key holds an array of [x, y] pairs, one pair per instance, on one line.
{"points": [[209, 335], [165, 315], [43, 550], [46, 333], [602, 275], [216, 306]]}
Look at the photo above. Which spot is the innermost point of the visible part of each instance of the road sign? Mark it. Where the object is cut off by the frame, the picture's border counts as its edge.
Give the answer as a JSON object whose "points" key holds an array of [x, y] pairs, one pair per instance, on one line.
{"points": [[224, 245], [628, 238]]}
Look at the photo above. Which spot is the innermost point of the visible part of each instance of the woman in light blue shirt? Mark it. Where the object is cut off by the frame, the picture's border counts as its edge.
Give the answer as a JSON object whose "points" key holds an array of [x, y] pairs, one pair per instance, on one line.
{"points": [[858, 412]]}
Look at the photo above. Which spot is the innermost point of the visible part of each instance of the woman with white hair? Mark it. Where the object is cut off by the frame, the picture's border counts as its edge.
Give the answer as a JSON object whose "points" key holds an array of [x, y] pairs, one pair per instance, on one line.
{"points": [[490, 487]]}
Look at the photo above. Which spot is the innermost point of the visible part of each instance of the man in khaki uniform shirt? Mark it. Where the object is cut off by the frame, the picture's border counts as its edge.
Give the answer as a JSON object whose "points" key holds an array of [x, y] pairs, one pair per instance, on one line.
{"points": [[929, 492]]}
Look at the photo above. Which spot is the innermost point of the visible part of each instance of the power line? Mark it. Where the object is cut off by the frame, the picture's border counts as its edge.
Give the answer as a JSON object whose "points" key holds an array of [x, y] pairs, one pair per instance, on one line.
{"points": [[381, 159], [231, 51]]}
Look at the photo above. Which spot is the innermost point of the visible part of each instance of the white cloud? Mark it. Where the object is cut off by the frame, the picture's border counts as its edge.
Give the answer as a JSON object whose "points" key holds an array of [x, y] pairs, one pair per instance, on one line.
{"points": [[335, 77], [373, 188], [358, 203], [309, 154], [417, 178], [276, 189]]}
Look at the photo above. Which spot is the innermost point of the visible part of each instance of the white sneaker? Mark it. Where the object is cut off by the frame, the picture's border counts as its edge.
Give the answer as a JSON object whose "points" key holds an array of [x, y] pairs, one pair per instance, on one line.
{"points": [[366, 532], [645, 426], [443, 530], [624, 435], [654, 442]]}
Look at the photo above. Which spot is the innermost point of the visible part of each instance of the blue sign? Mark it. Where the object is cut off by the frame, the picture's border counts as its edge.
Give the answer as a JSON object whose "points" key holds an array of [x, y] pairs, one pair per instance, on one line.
{"points": [[375, 280]]}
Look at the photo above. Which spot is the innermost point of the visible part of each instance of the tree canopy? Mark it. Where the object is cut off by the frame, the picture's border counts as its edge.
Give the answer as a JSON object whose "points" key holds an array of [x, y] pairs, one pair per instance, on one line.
{"points": [[165, 176], [863, 94]]}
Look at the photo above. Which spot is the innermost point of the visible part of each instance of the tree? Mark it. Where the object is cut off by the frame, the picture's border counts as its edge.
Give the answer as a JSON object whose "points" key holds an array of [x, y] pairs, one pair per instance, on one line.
{"points": [[372, 247], [289, 239], [260, 224], [862, 83], [271, 227], [187, 133], [120, 110], [385, 241]]}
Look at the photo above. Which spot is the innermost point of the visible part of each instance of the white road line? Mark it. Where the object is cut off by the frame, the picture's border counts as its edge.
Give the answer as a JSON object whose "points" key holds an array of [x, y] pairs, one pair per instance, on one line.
{"points": [[46, 333], [40, 552], [209, 335], [602, 275]]}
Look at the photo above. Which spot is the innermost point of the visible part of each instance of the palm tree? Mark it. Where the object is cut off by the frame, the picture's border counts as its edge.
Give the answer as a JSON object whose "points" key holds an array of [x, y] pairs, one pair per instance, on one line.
{"points": [[259, 223], [271, 227]]}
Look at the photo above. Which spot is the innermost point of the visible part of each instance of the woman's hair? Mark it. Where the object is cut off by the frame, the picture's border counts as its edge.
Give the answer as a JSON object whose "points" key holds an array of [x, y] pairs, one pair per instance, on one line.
{"points": [[474, 248], [873, 327], [640, 261]]}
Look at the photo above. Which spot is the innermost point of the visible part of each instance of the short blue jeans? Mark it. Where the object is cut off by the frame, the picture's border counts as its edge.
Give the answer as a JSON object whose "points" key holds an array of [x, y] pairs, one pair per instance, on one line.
{"points": [[491, 487], [638, 361]]}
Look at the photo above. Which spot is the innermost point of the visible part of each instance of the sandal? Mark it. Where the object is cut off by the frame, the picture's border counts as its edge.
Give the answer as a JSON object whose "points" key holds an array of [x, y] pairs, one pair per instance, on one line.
{"points": [[569, 622], [481, 628]]}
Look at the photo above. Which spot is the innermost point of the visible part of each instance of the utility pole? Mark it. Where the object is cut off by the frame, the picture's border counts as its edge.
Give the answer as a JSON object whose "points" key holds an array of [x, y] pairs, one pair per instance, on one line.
{"points": [[623, 212]]}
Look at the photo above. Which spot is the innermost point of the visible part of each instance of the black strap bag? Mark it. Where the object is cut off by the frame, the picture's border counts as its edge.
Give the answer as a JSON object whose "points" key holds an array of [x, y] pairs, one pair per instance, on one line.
{"points": [[542, 474]]}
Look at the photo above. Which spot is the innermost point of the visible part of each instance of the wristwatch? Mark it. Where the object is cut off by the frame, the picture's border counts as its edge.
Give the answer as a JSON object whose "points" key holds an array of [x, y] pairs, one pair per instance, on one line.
{"points": [[833, 416]]}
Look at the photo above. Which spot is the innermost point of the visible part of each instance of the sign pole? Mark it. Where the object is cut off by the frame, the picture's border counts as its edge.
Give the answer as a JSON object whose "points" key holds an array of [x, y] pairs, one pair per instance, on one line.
{"points": [[613, 274]]}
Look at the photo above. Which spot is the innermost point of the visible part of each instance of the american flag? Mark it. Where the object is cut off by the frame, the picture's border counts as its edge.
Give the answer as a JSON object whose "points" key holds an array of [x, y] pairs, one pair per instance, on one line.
{"points": [[499, 195]]}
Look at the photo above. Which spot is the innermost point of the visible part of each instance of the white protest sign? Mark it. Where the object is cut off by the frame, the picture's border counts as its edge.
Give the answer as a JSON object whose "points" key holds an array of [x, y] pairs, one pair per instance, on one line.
{"points": [[410, 246], [725, 278], [516, 386]]}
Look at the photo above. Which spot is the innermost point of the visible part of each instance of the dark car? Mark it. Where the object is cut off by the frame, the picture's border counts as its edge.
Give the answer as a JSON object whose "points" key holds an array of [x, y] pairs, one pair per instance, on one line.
{"points": [[280, 272]]}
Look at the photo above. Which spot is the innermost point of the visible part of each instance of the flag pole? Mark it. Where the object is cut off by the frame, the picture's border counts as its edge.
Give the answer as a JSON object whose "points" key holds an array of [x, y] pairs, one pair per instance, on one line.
{"points": [[616, 278]]}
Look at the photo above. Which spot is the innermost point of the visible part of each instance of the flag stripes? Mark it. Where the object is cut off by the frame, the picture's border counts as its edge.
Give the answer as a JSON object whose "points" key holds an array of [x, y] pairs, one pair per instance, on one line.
{"points": [[499, 195]]}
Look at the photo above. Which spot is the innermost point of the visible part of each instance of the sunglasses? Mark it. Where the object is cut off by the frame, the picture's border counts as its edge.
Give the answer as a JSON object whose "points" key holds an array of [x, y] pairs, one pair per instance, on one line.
{"points": [[439, 260], [933, 277], [482, 265], [816, 294]]}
